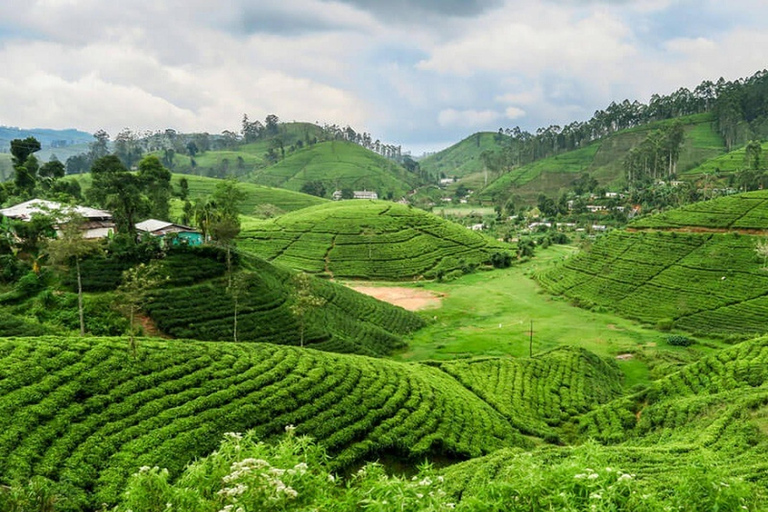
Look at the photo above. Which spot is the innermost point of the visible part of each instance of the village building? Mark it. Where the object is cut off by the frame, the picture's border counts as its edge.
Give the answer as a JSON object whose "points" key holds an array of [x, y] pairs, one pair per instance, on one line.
{"points": [[164, 230], [96, 223], [357, 194]]}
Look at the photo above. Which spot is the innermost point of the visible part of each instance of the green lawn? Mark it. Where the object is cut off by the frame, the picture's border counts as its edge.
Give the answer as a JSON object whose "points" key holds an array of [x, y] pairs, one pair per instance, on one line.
{"points": [[489, 314]]}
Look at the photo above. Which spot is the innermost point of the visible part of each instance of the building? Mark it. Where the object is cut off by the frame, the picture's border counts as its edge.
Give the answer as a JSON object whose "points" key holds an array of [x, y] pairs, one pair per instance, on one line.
{"points": [[96, 223], [163, 229], [357, 194]]}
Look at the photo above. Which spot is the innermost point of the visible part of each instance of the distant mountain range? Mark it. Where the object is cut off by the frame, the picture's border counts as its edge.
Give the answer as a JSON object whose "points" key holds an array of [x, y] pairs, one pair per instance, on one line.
{"points": [[49, 139]]}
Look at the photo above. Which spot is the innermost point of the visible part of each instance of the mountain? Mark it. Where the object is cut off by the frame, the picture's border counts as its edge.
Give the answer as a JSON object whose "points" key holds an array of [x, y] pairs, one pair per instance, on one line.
{"points": [[49, 139], [363, 239]]}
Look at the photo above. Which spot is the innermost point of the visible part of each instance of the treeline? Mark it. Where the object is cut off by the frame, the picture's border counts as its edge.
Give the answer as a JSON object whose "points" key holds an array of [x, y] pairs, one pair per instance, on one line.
{"points": [[740, 109]]}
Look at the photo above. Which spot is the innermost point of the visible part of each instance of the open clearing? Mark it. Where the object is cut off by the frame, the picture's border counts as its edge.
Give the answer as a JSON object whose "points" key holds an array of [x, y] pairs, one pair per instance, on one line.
{"points": [[411, 299]]}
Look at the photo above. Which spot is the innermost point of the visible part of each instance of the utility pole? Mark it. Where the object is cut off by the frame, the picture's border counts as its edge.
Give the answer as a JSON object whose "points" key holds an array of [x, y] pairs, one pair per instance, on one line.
{"points": [[530, 341]]}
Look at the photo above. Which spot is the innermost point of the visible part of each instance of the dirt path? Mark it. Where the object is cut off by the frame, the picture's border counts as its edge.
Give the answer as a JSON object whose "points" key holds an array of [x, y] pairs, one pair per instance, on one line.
{"points": [[411, 299]]}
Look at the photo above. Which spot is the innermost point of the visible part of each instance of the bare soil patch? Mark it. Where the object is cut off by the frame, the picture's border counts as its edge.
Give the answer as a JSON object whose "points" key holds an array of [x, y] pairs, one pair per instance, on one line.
{"points": [[411, 299], [624, 357]]}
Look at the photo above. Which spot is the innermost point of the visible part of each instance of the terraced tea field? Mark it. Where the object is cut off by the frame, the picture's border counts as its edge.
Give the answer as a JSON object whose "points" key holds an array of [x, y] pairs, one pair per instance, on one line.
{"points": [[86, 415], [683, 268], [374, 240]]}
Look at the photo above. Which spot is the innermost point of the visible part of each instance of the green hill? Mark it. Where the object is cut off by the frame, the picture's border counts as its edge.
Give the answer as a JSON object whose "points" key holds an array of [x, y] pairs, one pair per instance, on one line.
{"points": [[463, 158], [681, 268], [360, 239], [727, 163], [603, 160], [538, 395], [255, 195], [244, 158], [695, 440], [86, 415], [338, 165], [348, 322]]}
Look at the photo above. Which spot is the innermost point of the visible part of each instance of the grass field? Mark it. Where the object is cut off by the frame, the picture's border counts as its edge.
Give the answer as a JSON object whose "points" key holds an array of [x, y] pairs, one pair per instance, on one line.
{"points": [[362, 239], [490, 314], [338, 165]]}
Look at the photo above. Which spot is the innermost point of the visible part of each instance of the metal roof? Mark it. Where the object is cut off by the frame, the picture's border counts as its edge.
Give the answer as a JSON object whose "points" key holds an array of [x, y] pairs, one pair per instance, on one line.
{"points": [[25, 210]]}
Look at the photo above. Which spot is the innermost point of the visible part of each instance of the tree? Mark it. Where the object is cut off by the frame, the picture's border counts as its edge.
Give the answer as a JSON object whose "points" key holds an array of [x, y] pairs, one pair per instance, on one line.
{"points": [[237, 287], [100, 147], [224, 225], [314, 187], [117, 190], [132, 293], [156, 182], [70, 246], [304, 301], [183, 189], [753, 155], [52, 170], [128, 148], [21, 149]]}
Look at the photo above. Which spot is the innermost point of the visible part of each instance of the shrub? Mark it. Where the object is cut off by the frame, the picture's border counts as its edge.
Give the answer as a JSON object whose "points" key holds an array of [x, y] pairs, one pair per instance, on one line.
{"points": [[679, 340], [665, 324]]}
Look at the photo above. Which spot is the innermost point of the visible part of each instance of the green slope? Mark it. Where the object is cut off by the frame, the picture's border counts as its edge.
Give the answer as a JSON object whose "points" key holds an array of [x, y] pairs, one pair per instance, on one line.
{"points": [[728, 163], [369, 240], [6, 167], [243, 159], [603, 160], [691, 274], [695, 440], [255, 195], [338, 165], [86, 415], [568, 382], [463, 158], [347, 322]]}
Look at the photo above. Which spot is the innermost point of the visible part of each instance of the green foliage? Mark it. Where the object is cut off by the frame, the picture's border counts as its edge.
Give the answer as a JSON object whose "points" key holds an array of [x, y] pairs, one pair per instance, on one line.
{"points": [[349, 322], [679, 340], [539, 394], [463, 158], [701, 282], [85, 416], [369, 240]]}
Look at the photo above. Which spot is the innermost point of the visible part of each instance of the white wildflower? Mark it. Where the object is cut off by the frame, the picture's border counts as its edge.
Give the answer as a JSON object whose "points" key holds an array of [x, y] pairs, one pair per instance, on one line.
{"points": [[419, 495], [579, 476], [290, 428], [331, 478], [595, 496], [233, 435], [592, 476], [425, 482], [440, 478], [291, 492]]}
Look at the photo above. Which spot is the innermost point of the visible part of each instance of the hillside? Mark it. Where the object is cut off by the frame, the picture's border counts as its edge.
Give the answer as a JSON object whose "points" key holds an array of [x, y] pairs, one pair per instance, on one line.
{"points": [[242, 159], [255, 195], [603, 160], [682, 268], [338, 165], [695, 440], [463, 158], [362, 239], [48, 138], [347, 322], [85, 414]]}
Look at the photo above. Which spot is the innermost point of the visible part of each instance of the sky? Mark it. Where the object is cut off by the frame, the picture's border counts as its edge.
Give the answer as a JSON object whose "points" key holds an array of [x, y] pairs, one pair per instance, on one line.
{"points": [[419, 73]]}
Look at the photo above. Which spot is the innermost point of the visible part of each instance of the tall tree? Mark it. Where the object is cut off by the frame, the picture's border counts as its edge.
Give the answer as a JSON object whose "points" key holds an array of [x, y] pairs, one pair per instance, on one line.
{"points": [[69, 247], [156, 182], [119, 191], [304, 301]]}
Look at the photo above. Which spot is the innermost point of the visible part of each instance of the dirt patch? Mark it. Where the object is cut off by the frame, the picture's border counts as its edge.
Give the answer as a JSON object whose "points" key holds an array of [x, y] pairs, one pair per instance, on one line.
{"points": [[411, 299], [624, 357], [148, 326]]}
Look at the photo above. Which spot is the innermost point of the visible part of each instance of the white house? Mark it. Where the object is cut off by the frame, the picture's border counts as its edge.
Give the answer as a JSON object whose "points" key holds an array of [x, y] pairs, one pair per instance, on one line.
{"points": [[97, 223]]}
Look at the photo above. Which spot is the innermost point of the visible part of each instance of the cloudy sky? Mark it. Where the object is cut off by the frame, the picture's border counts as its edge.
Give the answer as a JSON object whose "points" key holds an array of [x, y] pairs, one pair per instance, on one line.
{"points": [[421, 73]]}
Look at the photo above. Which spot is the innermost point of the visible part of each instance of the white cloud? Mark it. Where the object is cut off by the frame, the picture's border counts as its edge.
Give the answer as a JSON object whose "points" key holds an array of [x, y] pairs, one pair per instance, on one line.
{"points": [[468, 118], [514, 113]]}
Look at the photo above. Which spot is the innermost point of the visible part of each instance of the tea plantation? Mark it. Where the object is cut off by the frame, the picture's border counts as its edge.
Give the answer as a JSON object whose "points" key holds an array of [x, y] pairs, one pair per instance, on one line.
{"points": [[348, 322], [86, 415], [362, 239], [695, 268]]}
